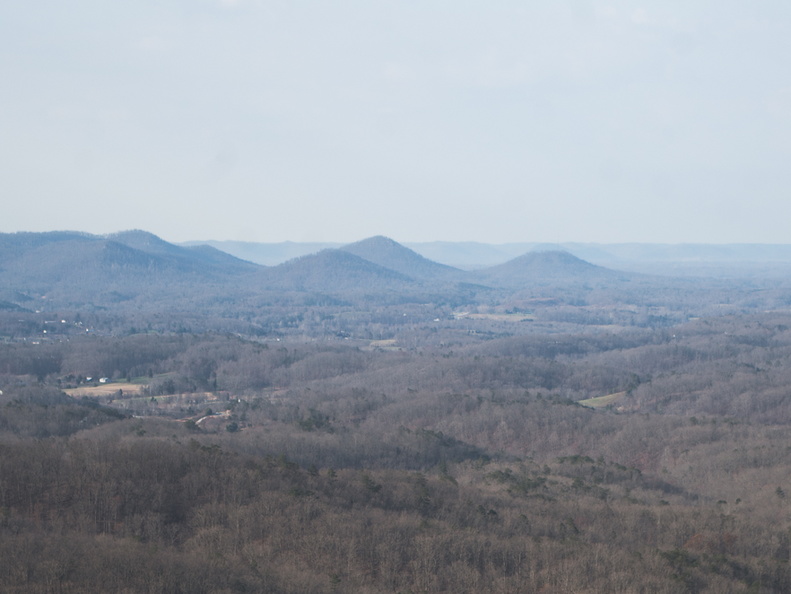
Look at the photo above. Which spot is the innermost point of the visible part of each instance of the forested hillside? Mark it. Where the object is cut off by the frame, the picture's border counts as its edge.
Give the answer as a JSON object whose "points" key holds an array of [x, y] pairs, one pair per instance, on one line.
{"points": [[339, 425]]}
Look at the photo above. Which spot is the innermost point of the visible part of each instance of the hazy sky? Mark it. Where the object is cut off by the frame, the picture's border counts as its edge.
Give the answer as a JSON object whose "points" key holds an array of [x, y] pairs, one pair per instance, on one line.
{"points": [[494, 121]]}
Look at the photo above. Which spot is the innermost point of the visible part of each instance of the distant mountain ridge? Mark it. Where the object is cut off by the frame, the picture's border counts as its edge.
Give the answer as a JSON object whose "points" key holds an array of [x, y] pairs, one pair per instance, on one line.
{"points": [[74, 268], [469, 255]]}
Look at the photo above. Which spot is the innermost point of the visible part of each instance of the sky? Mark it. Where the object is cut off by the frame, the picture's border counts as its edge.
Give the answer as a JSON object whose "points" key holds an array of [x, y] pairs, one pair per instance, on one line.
{"points": [[493, 121]]}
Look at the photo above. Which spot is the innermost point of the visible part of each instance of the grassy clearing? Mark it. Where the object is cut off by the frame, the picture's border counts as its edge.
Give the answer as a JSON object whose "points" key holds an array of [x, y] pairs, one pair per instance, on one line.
{"points": [[390, 342], [106, 389], [602, 401]]}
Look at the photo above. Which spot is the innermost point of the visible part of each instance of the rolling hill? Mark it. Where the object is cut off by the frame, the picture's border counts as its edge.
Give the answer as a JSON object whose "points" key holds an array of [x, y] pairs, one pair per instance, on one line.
{"points": [[536, 268]]}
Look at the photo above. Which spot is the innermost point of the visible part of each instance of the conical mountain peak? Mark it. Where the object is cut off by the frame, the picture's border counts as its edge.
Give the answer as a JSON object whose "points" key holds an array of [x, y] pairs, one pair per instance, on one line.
{"points": [[390, 254]]}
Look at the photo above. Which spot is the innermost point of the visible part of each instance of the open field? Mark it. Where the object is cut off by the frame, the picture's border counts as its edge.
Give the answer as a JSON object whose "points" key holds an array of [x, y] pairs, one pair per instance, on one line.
{"points": [[603, 401], [106, 389], [495, 317]]}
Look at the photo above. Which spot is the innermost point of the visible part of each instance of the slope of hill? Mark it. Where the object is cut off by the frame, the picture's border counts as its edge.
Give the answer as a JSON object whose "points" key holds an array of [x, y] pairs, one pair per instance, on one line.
{"points": [[72, 267], [391, 254], [197, 257], [146, 242]]}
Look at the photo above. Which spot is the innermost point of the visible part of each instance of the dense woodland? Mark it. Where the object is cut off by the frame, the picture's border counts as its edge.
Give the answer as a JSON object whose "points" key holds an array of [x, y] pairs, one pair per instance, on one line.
{"points": [[610, 434]]}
